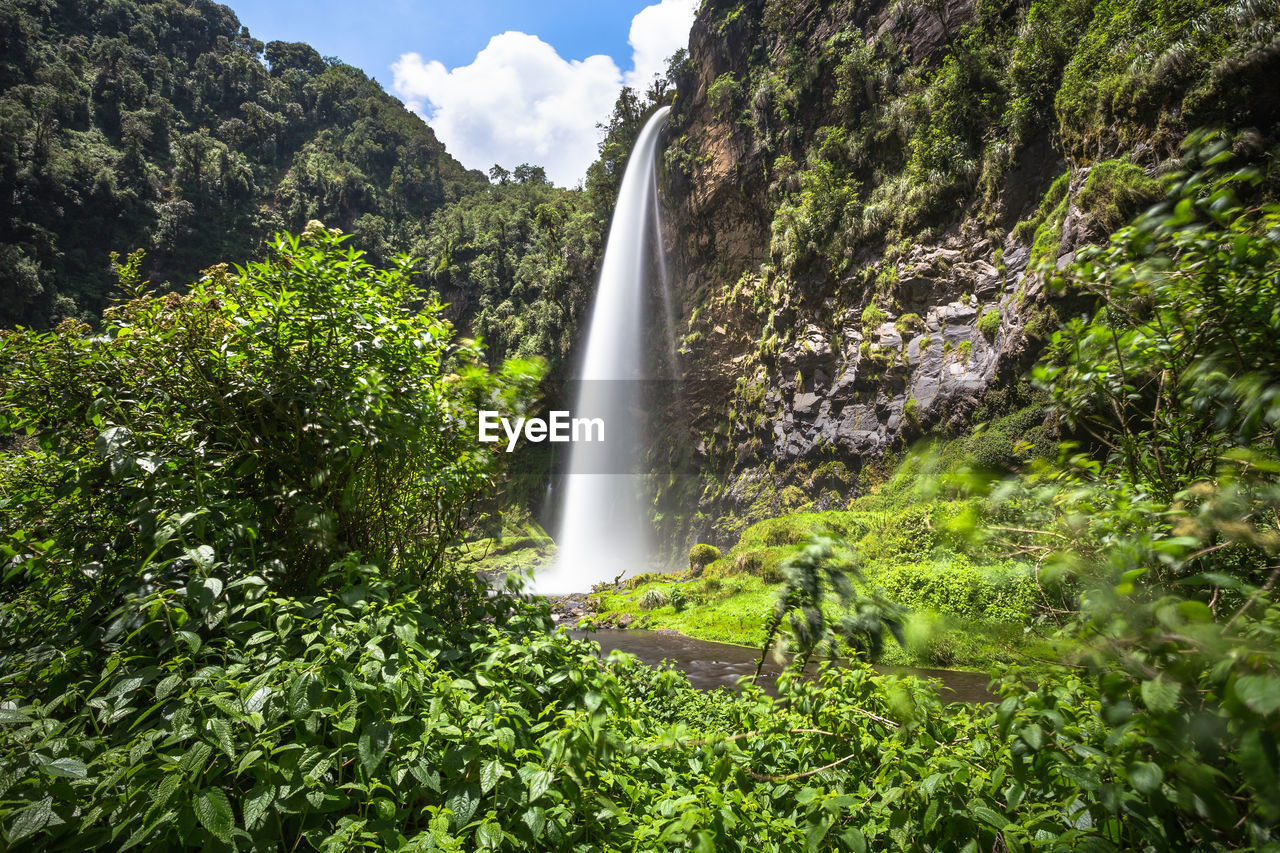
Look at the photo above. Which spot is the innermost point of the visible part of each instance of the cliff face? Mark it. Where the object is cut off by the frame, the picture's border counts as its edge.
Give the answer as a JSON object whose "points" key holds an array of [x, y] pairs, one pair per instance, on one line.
{"points": [[865, 200]]}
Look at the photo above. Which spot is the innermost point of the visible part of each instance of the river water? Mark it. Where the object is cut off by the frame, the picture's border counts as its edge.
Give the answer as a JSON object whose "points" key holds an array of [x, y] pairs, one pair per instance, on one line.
{"points": [[711, 665]]}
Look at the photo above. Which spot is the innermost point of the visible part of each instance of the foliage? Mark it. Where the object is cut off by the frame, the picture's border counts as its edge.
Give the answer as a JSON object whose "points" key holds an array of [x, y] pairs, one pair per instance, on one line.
{"points": [[1004, 592], [519, 261], [653, 599], [1115, 191], [1175, 368], [1174, 521], [875, 133], [157, 125], [229, 713], [273, 419], [825, 569], [989, 324], [722, 94]]}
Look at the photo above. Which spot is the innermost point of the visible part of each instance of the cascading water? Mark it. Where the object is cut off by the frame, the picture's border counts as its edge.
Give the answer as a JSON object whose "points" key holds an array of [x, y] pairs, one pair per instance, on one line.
{"points": [[604, 528]]}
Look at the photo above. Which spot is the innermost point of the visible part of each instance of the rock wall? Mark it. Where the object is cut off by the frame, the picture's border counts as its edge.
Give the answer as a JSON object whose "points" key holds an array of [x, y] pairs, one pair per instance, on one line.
{"points": [[800, 376]]}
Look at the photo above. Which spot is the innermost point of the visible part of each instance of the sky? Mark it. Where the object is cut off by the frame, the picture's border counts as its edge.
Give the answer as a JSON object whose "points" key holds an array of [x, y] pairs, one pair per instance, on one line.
{"points": [[500, 81]]}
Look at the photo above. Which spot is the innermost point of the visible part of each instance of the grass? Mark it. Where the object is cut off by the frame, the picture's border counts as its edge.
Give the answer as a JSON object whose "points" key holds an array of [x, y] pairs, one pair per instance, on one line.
{"points": [[722, 611], [969, 609]]}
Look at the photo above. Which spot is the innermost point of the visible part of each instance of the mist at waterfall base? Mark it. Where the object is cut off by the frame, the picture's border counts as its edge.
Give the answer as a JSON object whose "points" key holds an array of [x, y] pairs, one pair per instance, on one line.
{"points": [[604, 527]]}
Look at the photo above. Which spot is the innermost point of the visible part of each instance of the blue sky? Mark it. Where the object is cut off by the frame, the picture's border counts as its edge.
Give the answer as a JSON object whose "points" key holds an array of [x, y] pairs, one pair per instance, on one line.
{"points": [[500, 81]]}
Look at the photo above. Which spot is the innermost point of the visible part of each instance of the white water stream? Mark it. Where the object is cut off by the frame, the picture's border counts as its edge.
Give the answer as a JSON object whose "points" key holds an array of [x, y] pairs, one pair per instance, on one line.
{"points": [[604, 529]]}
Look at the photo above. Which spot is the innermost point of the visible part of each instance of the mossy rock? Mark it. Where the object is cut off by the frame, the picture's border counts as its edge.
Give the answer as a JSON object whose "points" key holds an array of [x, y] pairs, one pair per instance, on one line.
{"points": [[701, 556]]}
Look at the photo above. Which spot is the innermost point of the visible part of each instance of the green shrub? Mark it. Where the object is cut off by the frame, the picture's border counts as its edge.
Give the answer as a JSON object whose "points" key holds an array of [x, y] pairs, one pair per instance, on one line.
{"points": [[1004, 592], [678, 599], [1009, 442], [653, 599], [274, 418], [989, 324], [872, 317], [723, 93]]}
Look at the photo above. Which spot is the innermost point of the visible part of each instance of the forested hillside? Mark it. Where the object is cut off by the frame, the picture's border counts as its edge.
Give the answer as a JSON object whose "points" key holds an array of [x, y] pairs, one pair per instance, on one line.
{"points": [[166, 126]]}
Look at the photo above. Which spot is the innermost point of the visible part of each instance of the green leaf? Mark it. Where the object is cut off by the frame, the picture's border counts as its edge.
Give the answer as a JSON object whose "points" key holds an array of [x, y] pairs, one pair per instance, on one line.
{"points": [[1195, 611], [31, 820], [990, 817], [214, 811], [1145, 776], [192, 763], [256, 804], [1159, 695], [167, 686], [67, 767], [534, 818], [539, 781], [222, 733], [1259, 693], [190, 639], [463, 802], [257, 700], [123, 687], [304, 694], [373, 744], [12, 716], [855, 840], [490, 774], [489, 835]]}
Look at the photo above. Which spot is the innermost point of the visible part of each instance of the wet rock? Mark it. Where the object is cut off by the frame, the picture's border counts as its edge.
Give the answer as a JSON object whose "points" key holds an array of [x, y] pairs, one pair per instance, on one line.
{"points": [[807, 405]]}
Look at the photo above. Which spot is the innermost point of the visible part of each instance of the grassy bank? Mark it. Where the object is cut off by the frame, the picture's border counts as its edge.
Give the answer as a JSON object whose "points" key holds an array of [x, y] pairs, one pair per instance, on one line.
{"points": [[970, 607]]}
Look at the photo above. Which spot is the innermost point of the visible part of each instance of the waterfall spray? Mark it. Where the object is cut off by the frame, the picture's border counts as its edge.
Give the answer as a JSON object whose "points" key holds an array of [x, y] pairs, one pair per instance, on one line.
{"points": [[604, 528]]}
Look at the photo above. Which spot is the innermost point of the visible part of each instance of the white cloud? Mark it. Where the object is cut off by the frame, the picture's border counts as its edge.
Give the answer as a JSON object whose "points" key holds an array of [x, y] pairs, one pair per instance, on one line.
{"points": [[519, 101], [657, 31]]}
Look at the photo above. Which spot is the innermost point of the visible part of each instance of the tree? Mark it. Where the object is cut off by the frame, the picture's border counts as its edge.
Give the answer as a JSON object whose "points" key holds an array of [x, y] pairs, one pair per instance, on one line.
{"points": [[283, 56]]}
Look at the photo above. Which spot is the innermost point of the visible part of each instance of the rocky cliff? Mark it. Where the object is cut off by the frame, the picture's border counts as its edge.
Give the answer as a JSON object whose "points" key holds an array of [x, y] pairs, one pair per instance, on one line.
{"points": [[865, 200]]}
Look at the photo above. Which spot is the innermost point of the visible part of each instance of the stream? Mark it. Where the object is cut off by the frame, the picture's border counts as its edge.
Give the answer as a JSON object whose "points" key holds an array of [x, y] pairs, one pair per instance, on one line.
{"points": [[710, 665]]}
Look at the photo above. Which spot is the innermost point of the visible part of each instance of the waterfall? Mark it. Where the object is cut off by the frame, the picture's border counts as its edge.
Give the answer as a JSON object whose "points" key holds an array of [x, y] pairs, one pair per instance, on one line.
{"points": [[604, 529]]}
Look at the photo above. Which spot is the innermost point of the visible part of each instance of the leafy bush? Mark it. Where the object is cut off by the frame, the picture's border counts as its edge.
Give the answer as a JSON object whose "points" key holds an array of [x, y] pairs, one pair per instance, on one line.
{"points": [[872, 317], [230, 714], [678, 598], [273, 419], [723, 93]]}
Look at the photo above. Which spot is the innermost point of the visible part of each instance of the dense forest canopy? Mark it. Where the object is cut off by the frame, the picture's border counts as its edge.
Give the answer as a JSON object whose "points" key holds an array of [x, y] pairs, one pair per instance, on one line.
{"points": [[166, 126]]}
